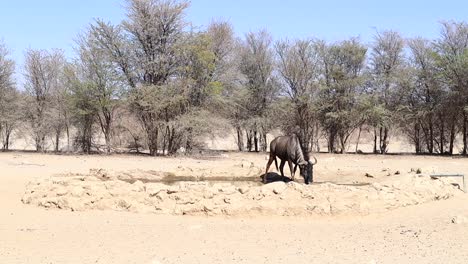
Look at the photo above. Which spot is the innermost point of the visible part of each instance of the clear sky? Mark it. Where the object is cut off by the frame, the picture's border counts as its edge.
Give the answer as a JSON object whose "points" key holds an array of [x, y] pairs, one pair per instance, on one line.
{"points": [[49, 24]]}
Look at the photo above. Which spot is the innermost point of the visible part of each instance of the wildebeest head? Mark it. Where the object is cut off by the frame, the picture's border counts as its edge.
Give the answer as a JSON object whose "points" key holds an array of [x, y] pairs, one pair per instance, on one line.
{"points": [[306, 169]]}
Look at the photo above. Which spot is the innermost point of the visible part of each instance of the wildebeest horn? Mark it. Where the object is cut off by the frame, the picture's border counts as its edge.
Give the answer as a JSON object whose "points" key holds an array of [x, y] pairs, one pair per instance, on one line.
{"points": [[314, 162]]}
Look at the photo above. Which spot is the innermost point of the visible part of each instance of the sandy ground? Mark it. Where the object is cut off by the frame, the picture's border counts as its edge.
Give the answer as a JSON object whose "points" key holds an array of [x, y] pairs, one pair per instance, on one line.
{"points": [[415, 234]]}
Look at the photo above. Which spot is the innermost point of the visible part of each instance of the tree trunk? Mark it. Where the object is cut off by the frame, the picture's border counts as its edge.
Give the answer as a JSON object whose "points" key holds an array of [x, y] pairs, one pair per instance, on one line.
{"points": [[380, 139], [240, 138], [465, 120], [165, 140], [431, 135], [331, 140], [417, 139], [265, 144], [426, 135], [153, 141], [249, 140], [442, 136], [5, 133], [40, 143], [189, 145], [358, 138], [375, 140], [452, 137], [343, 143], [57, 141], [6, 146], [108, 141], [68, 137], [256, 140], [172, 148], [383, 140]]}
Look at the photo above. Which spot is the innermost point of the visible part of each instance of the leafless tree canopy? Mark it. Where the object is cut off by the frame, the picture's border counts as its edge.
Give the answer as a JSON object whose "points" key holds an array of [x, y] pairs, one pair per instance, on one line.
{"points": [[9, 98], [156, 83]]}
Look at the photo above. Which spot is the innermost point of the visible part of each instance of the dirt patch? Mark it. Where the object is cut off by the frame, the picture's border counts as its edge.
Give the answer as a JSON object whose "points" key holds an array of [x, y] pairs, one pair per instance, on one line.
{"points": [[175, 195]]}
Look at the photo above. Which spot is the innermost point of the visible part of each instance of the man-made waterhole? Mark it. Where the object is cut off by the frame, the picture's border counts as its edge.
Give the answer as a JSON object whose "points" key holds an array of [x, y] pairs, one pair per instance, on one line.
{"points": [[251, 180], [171, 180]]}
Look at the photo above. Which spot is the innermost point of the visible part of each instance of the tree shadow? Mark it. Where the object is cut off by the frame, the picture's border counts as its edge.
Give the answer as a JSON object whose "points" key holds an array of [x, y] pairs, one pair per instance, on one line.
{"points": [[275, 177]]}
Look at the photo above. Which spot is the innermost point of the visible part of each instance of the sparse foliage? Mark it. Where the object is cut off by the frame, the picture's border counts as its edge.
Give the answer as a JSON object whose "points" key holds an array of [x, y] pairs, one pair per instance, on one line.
{"points": [[43, 73], [9, 99], [156, 83], [299, 68]]}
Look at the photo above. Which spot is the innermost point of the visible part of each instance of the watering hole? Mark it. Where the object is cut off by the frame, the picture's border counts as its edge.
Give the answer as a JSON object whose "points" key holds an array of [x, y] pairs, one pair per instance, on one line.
{"points": [[236, 181]]}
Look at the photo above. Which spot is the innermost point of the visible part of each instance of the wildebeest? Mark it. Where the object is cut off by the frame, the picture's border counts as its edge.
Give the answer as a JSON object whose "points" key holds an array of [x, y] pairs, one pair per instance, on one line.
{"points": [[288, 148]]}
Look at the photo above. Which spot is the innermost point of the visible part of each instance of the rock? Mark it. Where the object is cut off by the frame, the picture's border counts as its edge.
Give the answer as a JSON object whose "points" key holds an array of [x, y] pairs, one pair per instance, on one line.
{"points": [[208, 207], [162, 195], [296, 186], [275, 187], [184, 199], [123, 204], [256, 194], [208, 194], [243, 189], [138, 186], [203, 198], [61, 191], [154, 188], [77, 191], [459, 219], [99, 173], [228, 190]]}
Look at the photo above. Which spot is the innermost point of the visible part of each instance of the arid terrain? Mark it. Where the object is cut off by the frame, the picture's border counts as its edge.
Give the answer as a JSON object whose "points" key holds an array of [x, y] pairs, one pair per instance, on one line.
{"points": [[212, 208]]}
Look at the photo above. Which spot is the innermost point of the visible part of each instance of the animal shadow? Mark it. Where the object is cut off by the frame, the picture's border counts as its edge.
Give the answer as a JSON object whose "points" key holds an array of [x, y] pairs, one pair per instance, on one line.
{"points": [[275, 177]]}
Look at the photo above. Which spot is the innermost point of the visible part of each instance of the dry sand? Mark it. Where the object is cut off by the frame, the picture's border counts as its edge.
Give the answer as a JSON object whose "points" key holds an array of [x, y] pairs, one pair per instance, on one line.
{"points": [[434, 231]]}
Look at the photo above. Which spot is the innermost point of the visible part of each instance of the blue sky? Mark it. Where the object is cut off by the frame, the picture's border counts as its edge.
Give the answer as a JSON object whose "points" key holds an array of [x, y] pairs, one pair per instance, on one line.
{"points": [[49, 24]]}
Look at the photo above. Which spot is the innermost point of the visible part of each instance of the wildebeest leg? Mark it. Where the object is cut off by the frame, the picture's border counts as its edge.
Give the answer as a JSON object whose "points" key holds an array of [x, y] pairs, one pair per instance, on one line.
{"points": [[295, 168], [291, 169], [272, 157], [281, 167]]}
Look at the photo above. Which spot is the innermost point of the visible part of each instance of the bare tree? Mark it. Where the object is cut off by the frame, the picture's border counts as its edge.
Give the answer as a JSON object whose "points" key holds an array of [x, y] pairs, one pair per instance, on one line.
{"points": [[386, 63], [299, 68], [343, 72], [42, 78], [9, 98], [145, 49], [226, 49], [257, 64], [422, 98], [104, 83], [452, 63]]}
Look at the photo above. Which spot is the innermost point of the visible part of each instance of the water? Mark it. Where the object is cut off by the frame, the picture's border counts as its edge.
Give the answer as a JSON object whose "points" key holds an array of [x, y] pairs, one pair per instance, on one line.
{"points": [[236, 181]]}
